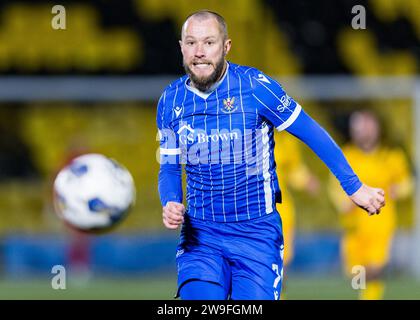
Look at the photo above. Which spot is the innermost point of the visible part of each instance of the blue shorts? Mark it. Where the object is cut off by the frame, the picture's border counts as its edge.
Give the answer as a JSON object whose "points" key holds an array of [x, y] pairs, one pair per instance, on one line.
{"points": [[244, 257]]}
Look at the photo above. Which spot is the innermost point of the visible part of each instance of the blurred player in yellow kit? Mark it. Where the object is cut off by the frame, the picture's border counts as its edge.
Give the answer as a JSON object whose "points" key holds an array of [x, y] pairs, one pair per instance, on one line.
{"points": [[292, 173], [367, 240]]}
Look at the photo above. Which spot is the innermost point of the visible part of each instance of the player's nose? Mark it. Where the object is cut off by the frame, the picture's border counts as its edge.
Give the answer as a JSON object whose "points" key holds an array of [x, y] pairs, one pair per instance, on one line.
{"points": [[199, 51]]}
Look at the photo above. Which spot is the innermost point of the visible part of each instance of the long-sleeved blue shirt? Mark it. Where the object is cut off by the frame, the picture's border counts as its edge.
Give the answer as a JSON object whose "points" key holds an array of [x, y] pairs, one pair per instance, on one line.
{"points": [[224, 137]]}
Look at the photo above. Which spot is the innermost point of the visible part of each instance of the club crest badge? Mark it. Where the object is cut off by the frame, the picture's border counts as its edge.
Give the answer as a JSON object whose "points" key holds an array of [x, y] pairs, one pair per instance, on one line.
{"points": [[229, 105]]}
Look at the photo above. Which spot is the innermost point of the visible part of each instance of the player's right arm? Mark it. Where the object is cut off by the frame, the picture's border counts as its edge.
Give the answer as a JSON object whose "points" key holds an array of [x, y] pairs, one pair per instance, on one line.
{"points": [[170, 172], [173, 214]]}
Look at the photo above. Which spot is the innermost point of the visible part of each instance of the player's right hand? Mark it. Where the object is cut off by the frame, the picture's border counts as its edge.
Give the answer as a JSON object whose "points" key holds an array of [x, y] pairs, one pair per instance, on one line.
{"points": [[173, 214], [370, 199]]}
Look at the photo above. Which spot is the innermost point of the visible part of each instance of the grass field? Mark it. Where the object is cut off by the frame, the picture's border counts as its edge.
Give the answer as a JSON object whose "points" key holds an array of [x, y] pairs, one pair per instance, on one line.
{"points": [[163, 287]]}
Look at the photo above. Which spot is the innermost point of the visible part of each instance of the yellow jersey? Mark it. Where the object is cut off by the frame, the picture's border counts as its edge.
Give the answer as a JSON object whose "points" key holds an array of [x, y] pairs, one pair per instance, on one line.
{"points": [[384, 168]]}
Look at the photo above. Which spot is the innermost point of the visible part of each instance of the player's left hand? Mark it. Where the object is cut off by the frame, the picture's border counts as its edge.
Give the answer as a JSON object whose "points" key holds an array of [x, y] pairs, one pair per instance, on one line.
{"points": [[370, 199]]}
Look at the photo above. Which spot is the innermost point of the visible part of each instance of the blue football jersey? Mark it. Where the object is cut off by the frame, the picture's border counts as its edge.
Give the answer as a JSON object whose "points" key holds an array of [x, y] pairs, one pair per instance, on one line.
{"points": [[224, 137]]}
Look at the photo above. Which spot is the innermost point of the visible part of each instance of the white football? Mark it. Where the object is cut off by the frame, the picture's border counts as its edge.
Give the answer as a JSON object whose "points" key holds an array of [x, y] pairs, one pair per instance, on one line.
{"points": [[93, 192]]}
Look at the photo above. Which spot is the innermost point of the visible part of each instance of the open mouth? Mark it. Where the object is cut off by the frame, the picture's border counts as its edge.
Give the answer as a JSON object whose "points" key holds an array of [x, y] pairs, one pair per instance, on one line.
{"points": [[201, 64]]}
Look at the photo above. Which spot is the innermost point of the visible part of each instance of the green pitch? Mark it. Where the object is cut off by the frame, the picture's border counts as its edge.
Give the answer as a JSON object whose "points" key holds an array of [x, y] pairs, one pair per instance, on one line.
{"points": [[163, 287]]}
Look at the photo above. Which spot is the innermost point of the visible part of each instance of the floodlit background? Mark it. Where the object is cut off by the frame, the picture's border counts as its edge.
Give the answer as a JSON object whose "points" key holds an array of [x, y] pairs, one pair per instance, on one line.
{"points": [[93, 87]]}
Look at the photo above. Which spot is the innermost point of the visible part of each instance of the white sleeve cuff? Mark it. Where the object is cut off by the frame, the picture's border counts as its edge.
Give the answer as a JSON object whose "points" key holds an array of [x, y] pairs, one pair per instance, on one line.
{"points": [[291, 119]]}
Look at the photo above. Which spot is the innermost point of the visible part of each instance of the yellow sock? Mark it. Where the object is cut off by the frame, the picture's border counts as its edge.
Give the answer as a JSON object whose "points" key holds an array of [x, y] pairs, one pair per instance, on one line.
{"points": [[374, 290]]}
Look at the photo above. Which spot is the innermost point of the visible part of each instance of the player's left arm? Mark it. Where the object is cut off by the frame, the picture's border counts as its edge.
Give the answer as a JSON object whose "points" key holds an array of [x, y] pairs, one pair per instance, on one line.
{"points": [[286, 114], [310, 132]]}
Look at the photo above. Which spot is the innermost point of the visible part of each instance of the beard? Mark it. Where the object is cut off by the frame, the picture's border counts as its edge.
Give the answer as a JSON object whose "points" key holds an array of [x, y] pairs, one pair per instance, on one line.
{"points": [[204, 83]]}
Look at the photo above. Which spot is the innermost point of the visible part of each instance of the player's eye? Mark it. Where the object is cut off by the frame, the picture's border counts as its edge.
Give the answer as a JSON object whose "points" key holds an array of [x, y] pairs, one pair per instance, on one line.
{"points": [[209, 43], [190, 43]]}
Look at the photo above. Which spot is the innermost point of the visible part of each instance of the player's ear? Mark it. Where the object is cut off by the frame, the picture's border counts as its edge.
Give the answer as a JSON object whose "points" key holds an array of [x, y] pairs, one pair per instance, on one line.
{"points": [[180, 43], [227, 46]]}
